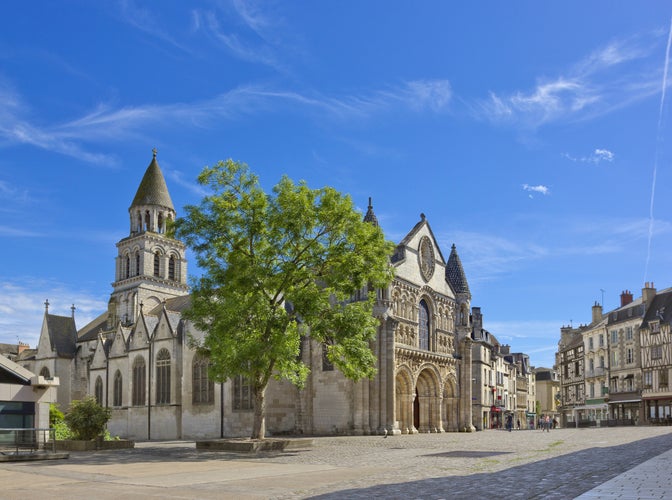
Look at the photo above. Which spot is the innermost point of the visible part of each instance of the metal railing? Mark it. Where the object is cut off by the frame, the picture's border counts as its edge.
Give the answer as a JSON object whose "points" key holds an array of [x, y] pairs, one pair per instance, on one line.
{"points": [[26, 440]]}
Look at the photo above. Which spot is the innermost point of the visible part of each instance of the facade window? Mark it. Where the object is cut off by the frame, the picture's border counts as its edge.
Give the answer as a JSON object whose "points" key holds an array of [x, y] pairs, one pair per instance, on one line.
{"points": [[116, 398], [629, 355], [44, 372], [591, 365], [203, 388], [628, 333], [163, 377], [590, 343], [242, 393], [592, 390], [614, 359], [663, 378], [648, 379], [139, 381], [98, 392], [157, 264], [656, 352], [614, 337], [629, 384], [614, 384], [655, 327], [327, 365], [601, 361], [601, 340], [171, 268], [424, 326]]}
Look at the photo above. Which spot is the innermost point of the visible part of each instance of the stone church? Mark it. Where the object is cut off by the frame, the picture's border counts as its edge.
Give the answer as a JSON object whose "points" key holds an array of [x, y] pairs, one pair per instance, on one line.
{"points": [[135, 357]]}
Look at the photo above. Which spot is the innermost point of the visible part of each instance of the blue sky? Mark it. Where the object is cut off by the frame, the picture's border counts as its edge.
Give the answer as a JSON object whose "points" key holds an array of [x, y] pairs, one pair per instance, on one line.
{"points": [[533, 135]]}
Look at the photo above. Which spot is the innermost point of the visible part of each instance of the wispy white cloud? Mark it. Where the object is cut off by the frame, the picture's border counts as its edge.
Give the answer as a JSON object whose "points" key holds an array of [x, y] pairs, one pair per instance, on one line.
{"points": [[541, 189], [147, 21], [587, 89], [241, 45], [75, 137], [22, 307], [597, 156]]}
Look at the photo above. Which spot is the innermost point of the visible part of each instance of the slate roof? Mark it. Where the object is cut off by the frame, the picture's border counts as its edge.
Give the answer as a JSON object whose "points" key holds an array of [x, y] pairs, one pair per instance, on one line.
{"points": [[455, 273], [62, 334], [153, 189], [660, 309], [91, 331]]}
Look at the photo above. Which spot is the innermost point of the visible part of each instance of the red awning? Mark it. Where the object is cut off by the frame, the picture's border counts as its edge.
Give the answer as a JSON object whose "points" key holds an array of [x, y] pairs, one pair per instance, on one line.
{"points": [[495, 409]]}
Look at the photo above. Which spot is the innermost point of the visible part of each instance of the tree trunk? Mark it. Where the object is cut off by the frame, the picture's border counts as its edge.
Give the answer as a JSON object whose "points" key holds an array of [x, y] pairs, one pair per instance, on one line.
{"points": [[259, 424]]}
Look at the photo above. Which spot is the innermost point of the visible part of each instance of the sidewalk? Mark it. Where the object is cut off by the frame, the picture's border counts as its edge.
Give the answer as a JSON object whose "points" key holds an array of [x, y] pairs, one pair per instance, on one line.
{"points": [[651, 479]]}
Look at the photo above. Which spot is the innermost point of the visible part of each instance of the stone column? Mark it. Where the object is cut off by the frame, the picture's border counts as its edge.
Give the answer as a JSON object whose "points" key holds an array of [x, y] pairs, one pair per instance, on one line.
{"points": [[465, 392]]}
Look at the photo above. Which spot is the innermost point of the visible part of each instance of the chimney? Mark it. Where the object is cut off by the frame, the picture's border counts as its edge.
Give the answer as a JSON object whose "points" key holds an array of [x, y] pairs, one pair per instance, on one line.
{"points": [[22, 347], [597, 312], [626, 297], [506, 349], [648, 292]]}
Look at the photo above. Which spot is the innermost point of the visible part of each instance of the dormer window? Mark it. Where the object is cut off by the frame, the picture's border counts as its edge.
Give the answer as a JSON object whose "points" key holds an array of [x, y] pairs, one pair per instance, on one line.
{"points": [[655, 326]]}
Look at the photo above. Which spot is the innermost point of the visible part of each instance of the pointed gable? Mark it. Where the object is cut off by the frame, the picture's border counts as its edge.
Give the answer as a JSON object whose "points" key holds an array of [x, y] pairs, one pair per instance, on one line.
{"points": [[418, 259], [100, 353], [119, 342], [140, 334], [58, 336]]}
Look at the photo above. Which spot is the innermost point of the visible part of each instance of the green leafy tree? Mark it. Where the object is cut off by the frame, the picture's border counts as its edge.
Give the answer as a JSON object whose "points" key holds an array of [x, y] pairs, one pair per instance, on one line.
{"points": [[87, 419], [276, 266]]}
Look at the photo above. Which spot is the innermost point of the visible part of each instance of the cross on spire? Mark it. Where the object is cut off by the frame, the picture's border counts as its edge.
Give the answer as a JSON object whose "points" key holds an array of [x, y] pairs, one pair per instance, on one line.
{"points": [[154, 151]]}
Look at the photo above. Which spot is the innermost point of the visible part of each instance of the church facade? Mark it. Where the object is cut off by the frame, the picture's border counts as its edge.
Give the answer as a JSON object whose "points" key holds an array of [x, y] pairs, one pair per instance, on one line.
{"points": [[136, 359]]}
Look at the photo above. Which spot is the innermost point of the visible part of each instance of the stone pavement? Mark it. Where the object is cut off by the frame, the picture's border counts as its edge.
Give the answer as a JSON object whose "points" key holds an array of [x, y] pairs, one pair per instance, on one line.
{"points": [[626, 462]]}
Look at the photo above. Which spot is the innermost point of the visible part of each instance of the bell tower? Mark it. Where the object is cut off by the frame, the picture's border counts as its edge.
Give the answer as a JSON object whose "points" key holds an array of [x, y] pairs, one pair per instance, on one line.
{"points": [[150, 265]]}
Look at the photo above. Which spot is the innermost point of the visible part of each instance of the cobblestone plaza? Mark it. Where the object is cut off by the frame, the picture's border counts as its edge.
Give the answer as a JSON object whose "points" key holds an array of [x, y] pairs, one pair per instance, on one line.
{"points": [[562, 463]]}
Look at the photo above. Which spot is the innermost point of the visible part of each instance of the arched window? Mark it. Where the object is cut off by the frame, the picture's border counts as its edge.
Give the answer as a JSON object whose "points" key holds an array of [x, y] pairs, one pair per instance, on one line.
{"points": [[44, 372], [139, 222], [424, 327], [157, 264], [127, 271], [116, 399], [139, 381], [242, 393], [163, 377], [147, 224], [137, 264], [99, 391], [159, 229], [171, 268], [203, 388]]}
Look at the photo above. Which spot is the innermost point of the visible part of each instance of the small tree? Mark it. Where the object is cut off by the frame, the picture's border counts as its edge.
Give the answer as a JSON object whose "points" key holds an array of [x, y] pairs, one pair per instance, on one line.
{"points": [[87, 419], [272, 262]]}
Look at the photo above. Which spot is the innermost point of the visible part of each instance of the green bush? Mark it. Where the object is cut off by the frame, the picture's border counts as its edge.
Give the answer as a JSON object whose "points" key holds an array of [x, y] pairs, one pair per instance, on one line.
{"points": [[55, 415], [87, 419]]}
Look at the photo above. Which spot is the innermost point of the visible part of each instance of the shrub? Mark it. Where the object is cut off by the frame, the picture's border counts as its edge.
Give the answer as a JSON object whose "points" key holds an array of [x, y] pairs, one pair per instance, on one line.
{"points": [[87, 419], [55, 415]]}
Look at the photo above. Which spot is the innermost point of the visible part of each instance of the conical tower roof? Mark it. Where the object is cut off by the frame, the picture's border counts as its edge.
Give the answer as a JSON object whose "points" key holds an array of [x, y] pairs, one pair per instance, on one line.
{"points": [[370, 216], [153, 189], [455, 273]]}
